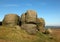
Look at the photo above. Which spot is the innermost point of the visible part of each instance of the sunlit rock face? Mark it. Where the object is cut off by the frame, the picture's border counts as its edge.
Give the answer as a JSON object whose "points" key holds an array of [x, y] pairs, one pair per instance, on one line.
{"points": [[48, 31], [31, 16], [41, 24], [30, 28], [11, 19], [23, 19]]}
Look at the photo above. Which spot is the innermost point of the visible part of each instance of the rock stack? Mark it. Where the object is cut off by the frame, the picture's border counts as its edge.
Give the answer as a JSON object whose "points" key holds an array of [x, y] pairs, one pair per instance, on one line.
{"points": [[31, 23], [28, 21]]}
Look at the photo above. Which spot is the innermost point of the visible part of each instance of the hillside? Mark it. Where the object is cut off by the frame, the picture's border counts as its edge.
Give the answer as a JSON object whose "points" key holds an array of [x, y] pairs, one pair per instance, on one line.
{"points": [[15, 34], [25, 28]]}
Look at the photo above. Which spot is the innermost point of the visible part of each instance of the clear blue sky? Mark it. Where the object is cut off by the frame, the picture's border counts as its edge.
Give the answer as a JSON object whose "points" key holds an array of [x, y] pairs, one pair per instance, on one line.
{"points": [[48, 9]]}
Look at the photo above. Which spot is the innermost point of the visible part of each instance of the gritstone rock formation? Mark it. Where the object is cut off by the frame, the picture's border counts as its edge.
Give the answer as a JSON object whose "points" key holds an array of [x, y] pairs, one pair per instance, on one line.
{"points": [[25, 28], [11, 20], [41, 24], [31, 16], [30, 28], [28, 21]]}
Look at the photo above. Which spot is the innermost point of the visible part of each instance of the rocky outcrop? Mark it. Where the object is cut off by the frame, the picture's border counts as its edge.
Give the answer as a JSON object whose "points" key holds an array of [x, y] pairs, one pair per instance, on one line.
{"points": [[10, 20], [26, 28], [28, 21]]}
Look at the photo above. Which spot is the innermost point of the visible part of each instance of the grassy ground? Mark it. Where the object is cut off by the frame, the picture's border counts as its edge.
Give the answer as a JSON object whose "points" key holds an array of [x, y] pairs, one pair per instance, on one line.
{"points": [[16, 34], [56, 34]]}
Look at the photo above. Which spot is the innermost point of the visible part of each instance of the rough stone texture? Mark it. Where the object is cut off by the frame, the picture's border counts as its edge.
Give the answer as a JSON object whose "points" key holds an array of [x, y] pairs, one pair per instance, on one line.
{"points": [[31, 16], [23, 19], [28, 21], [48, 31], [30, 28], [41, 24], [11, 20]]}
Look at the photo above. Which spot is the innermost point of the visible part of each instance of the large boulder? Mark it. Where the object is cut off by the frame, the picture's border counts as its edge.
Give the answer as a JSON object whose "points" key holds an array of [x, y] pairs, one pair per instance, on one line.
{"points": [[31, 16], [11, 20], [41, 24], [30, 28]]}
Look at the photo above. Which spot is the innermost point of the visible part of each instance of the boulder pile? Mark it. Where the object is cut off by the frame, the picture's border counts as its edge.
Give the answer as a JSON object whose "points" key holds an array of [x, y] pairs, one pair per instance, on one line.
{"points": [[28, 21]]}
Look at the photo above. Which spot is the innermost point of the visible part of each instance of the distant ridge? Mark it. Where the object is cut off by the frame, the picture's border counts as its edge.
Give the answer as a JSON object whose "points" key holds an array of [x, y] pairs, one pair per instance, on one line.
{"points": [[52, 27]]}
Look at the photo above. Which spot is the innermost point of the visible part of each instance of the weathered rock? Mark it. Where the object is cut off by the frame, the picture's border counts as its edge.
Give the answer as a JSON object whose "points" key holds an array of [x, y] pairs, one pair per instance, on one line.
{"points": [[48, 31], [11, 20], [41, 24], [30, 28], [23, 19], [31, 16]]}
